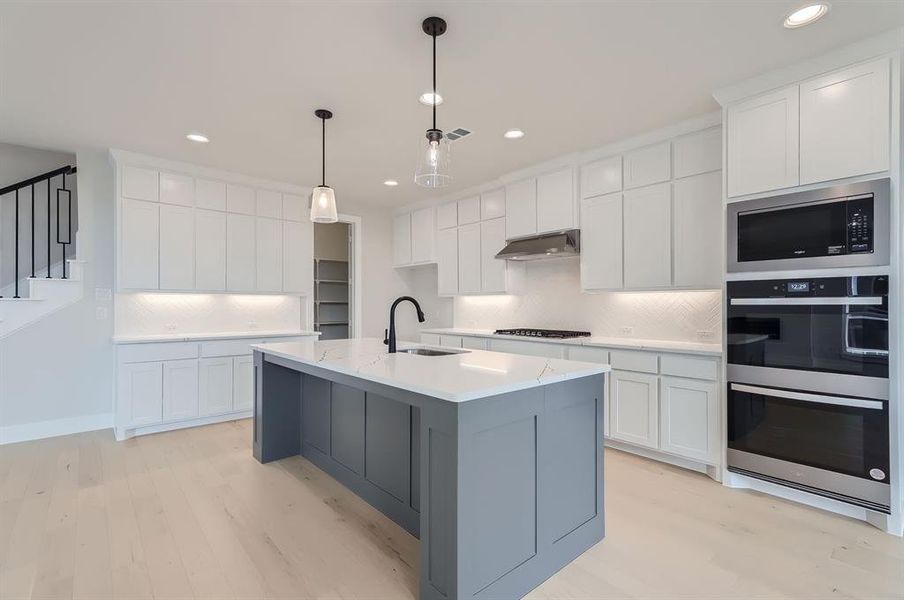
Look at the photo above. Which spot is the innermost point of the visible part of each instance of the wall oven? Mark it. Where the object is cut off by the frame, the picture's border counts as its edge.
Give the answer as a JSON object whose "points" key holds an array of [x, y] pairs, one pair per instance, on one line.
{"points": [[843, 226], [808, 390]]}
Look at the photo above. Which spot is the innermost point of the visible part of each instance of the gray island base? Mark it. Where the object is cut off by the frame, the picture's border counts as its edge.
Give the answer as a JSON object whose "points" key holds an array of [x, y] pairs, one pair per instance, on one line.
{"points": [[502, 489]]}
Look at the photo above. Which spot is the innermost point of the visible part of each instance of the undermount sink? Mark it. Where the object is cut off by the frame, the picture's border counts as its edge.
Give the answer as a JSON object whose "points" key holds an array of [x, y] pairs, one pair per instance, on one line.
{"points": [[431, 351]]}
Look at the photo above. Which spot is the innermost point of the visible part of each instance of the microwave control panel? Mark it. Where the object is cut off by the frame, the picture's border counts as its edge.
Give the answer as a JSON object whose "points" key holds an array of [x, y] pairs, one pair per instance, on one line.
{"points": [[860, 225]]}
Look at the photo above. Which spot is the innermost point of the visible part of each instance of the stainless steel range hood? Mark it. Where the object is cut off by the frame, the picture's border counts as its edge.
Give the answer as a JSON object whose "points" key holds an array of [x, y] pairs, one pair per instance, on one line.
{"points": [[548, 245]]}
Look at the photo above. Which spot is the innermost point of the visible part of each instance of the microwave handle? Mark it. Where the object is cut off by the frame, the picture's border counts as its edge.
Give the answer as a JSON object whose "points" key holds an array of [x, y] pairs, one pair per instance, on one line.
{"points": [[805, 397], [849, 349], [810, 301]]}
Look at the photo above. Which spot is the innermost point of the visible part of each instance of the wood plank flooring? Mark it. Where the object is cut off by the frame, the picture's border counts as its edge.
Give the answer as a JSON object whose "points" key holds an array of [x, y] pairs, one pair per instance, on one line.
{"points": [[190, 514]]}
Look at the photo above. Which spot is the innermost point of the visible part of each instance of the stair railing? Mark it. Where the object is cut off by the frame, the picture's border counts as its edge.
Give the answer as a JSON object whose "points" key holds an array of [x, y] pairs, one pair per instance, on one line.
{"points": [[62, 193]]}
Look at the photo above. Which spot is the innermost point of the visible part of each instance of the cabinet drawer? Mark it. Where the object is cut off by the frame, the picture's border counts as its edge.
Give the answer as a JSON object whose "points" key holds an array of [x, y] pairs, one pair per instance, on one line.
{"points": [[588, 354], [689, 366], [132, 353], [529, 348], [430, 339], [228, 347], [630, 360], [474, 343], [450, 341]]}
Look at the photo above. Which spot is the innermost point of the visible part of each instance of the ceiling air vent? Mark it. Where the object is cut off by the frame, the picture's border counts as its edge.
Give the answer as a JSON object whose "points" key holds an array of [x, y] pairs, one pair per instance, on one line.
{"points": [[458, 133]]}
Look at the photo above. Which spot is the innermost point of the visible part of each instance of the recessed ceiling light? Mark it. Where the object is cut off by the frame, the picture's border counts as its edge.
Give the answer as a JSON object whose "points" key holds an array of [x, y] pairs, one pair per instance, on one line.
{"points": [[197, 137], [428, 99], [513, 134], [806, 15], [391, 182]]}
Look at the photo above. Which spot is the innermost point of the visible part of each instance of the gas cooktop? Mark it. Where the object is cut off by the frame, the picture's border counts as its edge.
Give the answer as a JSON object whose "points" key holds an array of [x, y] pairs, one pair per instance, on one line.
{"points": [[543, 333]]}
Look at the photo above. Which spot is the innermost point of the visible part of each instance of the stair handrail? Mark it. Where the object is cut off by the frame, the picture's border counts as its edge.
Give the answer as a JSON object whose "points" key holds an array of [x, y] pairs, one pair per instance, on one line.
{"points": [[67, 170]]}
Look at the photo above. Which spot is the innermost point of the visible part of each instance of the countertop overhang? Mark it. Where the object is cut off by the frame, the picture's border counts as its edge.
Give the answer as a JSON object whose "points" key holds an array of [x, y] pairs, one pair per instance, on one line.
{"points": [[460, 377]]}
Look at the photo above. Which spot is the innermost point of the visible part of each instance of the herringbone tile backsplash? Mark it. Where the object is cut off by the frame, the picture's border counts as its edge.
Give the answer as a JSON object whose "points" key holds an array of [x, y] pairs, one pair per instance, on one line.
{"points": [[550, 297]]}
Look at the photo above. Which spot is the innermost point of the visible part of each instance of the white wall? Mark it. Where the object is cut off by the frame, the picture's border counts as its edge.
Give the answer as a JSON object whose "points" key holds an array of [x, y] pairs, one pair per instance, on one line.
{"points": [[56, 375]]}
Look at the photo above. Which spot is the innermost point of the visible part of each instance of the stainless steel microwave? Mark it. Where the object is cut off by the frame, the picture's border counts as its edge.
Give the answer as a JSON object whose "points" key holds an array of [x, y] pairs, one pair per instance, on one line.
{"points": [[842, 226]]}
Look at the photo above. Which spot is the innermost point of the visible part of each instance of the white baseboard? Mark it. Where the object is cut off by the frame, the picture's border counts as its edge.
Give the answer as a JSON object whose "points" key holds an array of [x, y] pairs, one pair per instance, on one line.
{"points": [[45, 429], [124, 433], [712, 472]]}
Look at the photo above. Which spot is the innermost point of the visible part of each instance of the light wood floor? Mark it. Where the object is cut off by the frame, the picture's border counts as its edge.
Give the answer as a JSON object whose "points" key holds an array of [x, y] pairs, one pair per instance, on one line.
{"points": [[190, 514]]}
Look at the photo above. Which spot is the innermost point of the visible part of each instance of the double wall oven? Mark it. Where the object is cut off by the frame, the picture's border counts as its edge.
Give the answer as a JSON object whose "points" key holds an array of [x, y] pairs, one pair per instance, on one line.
{"points": [[808, 390]]}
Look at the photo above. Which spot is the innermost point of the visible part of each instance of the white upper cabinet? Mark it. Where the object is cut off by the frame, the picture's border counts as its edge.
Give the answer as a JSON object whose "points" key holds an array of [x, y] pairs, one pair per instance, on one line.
{"points": [[469, 259], [177, 189], [469, 210], [294, 208], [698, 231], [240, 199], [140, 240], [521, 208], [844, 123], [269, 204], [210, 194], [555, 201], [177, 247], [423, 235], [139, 184], [763, 143], [698, 153], [648, 237], [492, 270], [401, 239], [601, 243], [447, 215], [210, 250], [447, 261], [648, 165], [298, 257], [240, 262], [601, 177], [268, 255], [492, 204]]}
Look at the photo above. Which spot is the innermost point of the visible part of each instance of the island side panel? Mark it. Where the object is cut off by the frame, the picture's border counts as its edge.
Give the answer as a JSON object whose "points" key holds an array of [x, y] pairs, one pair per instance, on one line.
{"points": [[277, 421], [530, 486]]}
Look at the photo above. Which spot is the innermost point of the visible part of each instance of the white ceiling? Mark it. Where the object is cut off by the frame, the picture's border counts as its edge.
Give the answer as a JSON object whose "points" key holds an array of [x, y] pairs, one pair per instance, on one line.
{"points": [[574, 76]]}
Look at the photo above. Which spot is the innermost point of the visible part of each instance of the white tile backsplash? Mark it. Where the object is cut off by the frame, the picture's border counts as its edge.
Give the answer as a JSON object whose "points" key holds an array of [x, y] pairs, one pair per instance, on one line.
{"points": [[551, 298], [154, 313]]}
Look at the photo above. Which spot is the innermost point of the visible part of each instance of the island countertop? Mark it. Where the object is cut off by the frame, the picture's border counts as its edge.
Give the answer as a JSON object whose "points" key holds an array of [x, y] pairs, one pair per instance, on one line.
{"points": [[465, 375]]}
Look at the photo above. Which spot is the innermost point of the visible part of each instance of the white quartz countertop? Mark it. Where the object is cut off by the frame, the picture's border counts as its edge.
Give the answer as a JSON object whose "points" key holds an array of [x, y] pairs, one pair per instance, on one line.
{"points": [[459, 377], [706, 348], [200, 337]]}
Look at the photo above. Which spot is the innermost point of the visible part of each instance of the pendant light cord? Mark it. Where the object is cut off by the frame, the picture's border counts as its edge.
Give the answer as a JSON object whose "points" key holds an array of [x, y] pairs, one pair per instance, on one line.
{"points": [[323, 153], [434, 80]]}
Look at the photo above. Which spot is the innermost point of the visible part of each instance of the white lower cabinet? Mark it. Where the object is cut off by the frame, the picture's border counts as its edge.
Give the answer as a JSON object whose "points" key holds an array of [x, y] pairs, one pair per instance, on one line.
{"points": [[450, 341], [634, 408], [243, 382], [141, 393], [689, 418], [180, 389], [474, 343], [215, 385], [430, 339]]}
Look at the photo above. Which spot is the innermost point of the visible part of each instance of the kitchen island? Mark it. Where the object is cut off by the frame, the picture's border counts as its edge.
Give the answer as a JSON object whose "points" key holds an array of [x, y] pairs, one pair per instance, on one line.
{"points": [[493, 460]]}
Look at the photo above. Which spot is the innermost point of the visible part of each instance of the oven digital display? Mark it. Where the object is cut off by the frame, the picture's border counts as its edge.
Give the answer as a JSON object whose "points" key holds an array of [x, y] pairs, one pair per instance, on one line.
{"points": [[799, 286]]}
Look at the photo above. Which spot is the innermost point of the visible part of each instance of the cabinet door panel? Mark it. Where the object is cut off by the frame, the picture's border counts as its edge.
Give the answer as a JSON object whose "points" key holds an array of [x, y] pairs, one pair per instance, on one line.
{"points": [[269, 204], [347, 427], [240, 199], [388, 446], [648, 237], [492, 204], [180, 389], [447, 261], [447, 215], [469, 259], [268, 255], [601, 243], [293, 208], [298, 257], [529, 348], [698, 231], [177, 247], [492, 270], [315, 413], [634, 408], [215, 383], [521, 208], [243, 382], [469, 210], [555, 201], [648, 165], [474, 343], [141, 391], [763, 143], [844, 123], [210, 250], [210, 194], [177, 189], [601, 177], [423, 234], [401, 239], [240, 262], [689, 421], [699, 152], [140, 184], [140, 239]]}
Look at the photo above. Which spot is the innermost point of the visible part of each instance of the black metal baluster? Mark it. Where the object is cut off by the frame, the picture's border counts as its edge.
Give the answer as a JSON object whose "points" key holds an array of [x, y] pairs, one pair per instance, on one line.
{"points": [[16, 274], [68, 241], [32, 230], [48, 228]]}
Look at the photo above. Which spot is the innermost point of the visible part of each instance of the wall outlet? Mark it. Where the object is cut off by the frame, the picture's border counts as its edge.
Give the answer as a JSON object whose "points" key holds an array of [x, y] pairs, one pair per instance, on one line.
{"points": [[100, 313], [103, 294], [704, 334], [626, 330], [252, 324], [170, 327]]}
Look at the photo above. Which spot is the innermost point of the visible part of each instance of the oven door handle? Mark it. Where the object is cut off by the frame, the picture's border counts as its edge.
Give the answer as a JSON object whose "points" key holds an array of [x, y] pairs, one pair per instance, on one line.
{"points": [[839, 301], [804, 397]]}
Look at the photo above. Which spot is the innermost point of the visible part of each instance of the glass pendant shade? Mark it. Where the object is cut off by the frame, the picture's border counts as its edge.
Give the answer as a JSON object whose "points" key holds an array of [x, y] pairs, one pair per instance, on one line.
{"points": [[434, 162], [323, 205]]}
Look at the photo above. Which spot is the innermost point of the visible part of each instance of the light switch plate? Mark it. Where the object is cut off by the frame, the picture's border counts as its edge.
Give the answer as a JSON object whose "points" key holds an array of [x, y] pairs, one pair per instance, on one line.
{"points": [[626, 330]]}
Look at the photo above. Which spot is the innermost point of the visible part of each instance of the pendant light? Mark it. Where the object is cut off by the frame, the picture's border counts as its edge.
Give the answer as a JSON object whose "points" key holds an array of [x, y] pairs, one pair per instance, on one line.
{"points": [[433, 157], [323, 199]]}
